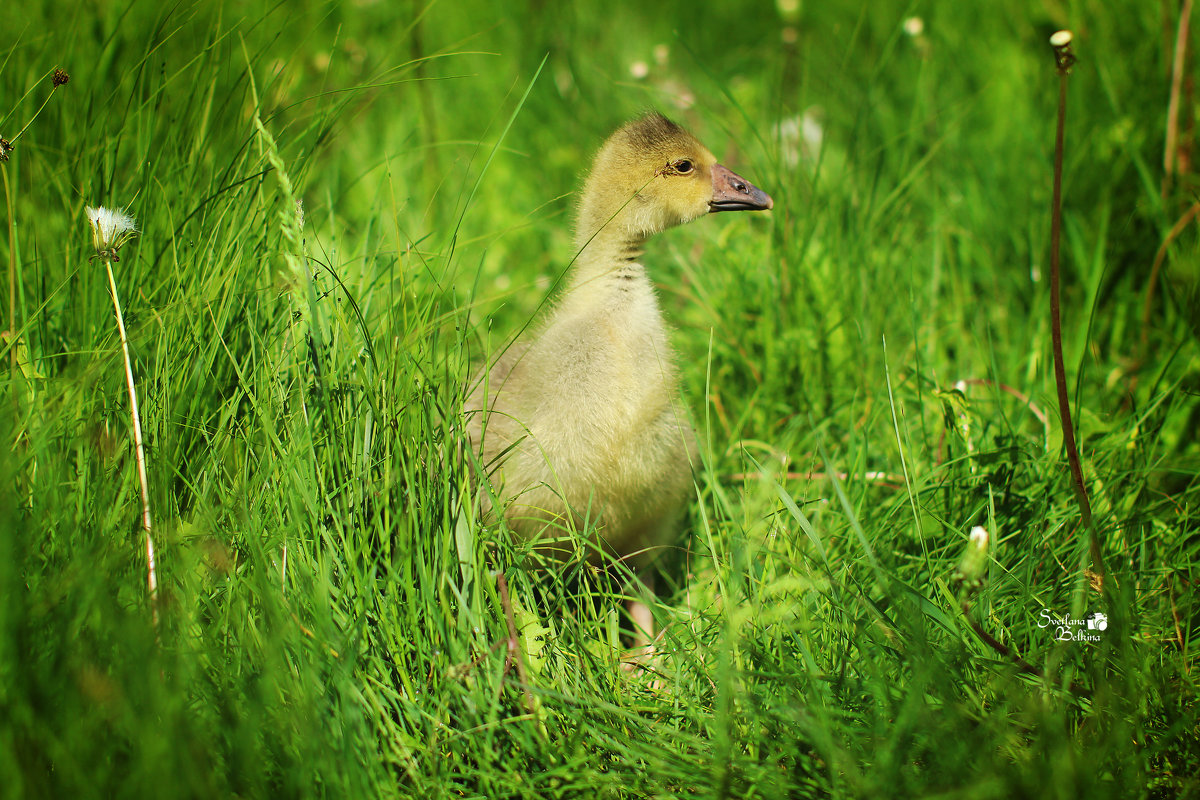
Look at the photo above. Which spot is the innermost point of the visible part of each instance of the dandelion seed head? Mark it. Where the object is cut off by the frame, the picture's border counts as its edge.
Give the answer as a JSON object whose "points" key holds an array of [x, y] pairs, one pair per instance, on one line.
{"points": [[111, 228]]}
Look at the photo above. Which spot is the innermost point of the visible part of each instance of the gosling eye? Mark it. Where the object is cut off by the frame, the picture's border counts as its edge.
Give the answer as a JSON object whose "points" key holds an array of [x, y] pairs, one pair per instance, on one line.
{"points": [[683, 166]]}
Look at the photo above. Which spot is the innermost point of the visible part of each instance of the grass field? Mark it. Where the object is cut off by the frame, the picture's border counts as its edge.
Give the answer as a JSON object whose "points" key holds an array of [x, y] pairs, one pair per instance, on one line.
{"points": [[869, 368]]}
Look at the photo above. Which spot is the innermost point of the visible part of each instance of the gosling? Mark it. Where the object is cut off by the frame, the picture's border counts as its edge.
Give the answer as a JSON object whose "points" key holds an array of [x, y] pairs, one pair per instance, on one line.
{"points": [[580, 423]]}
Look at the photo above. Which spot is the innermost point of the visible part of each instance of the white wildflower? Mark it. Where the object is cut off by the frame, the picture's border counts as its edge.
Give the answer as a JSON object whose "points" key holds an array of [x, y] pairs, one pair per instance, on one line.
{"points": [[973, 566], [979, 537], [639, 69], [110, 230], [914, 26]]}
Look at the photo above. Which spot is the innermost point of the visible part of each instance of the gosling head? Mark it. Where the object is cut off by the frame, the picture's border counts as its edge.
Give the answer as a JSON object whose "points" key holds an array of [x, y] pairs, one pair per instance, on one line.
{"points": [[652, 175]]}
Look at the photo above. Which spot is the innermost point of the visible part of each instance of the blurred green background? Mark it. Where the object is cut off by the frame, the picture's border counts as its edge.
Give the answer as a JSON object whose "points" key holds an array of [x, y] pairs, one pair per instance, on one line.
{"points": [[868, 367]]}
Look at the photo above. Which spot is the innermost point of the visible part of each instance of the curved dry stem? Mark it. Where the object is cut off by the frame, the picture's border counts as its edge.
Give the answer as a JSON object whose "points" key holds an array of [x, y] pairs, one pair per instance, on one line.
{"points": [[1159, 258], [1170, 146]]}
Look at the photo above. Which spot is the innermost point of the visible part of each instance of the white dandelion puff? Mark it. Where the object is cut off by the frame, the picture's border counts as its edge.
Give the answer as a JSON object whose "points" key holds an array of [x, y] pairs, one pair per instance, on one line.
{"points": [[111, 228]]}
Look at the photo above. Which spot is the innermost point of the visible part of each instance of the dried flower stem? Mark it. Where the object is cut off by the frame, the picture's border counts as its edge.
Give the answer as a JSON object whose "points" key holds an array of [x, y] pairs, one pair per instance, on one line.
{"points": [[135, 415], [1064, 59]]}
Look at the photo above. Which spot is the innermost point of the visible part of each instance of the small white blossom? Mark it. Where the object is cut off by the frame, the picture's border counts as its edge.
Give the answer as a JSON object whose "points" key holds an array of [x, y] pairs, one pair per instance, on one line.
{"points": [[914, 26], [110, 229], [973, 566], [979, 538]]}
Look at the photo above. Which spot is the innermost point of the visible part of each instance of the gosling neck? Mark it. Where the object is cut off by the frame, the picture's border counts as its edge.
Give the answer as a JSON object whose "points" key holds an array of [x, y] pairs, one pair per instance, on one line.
{"points": [[610, 255]]}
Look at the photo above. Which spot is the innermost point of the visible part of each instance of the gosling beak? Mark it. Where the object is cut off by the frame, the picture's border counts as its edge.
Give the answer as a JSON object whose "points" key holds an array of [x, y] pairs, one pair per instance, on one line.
{"points": [[732, 192]]}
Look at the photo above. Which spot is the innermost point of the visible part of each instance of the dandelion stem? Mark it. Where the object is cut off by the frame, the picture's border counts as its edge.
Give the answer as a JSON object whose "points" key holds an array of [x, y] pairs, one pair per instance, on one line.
{"points": [[151, 575]]}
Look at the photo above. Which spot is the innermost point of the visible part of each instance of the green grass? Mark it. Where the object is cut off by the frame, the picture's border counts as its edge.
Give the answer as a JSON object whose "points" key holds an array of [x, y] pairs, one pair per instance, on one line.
{"points": [[331, 623]]}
